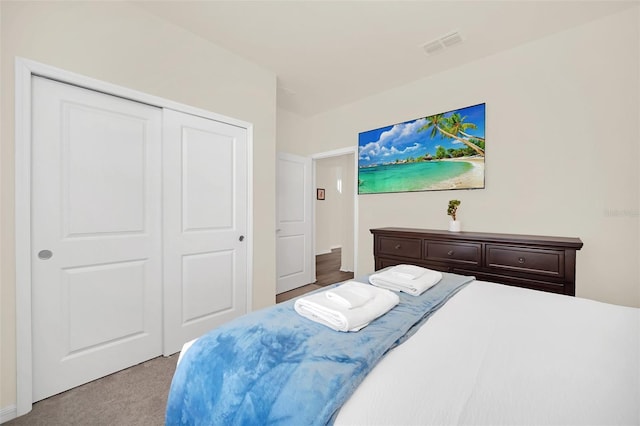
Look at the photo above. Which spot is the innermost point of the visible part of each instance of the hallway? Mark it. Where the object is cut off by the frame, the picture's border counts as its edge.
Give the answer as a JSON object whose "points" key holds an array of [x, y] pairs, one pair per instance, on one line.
{"points": [[327, 272]]}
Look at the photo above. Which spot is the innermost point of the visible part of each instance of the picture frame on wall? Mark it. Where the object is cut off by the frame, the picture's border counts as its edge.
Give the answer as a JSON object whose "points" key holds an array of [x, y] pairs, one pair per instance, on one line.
{"points": [[442, 151], [320, 194]]}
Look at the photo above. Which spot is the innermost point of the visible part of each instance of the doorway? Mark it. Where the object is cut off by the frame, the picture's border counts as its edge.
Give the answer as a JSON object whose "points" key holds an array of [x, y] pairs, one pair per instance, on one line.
{"points": [[334, 210], [334, 251]]}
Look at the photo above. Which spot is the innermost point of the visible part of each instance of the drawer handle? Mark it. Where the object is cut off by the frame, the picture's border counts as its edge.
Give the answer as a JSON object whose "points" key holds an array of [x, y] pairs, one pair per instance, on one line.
{"points": [[397, 247], [450, 252], [521, 260]]}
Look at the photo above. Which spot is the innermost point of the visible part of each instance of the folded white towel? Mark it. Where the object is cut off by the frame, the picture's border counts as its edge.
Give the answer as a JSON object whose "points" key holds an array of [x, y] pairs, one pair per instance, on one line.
{"points": [[390, 280], [319, 308], [409, 272], [350, 296]]}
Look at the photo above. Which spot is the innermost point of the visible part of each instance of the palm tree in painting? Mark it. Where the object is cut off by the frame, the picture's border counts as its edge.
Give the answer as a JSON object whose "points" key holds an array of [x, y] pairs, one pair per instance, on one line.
{"points": [[439, 123], [434, 123], [457, 126]]}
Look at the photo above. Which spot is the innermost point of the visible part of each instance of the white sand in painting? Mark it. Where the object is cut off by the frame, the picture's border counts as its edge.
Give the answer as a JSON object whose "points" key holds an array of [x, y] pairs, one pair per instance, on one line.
{"points": [[474, 178]]}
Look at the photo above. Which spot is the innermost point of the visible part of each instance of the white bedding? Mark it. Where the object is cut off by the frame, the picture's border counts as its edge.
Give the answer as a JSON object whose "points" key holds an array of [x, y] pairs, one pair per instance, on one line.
{"points": [[500, 355]]}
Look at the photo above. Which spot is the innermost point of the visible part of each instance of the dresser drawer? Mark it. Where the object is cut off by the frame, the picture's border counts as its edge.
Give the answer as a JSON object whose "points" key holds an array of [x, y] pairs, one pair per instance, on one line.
{"points": [[405, 247], [538, 261], [453, 252]]}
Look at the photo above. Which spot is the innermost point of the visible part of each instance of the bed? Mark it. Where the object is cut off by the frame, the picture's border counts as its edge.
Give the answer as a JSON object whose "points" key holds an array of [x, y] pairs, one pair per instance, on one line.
{"points": [[489, 354]]}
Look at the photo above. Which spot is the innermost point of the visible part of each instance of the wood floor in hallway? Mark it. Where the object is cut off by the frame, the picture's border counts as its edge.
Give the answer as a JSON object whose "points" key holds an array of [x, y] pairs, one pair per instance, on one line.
{"points": [[327, 272]]}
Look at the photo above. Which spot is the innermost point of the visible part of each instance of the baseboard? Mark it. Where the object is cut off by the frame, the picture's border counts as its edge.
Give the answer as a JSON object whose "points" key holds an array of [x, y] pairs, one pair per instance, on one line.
{"points": [[7, 413], [345, 270], [327, 251]]}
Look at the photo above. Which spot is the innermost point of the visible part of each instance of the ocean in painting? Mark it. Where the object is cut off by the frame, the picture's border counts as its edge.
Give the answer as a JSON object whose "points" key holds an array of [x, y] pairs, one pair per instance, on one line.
{"points": [[409, 176]]}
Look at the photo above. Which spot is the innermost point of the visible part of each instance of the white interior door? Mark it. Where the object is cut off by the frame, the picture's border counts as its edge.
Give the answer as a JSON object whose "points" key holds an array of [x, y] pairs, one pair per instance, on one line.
{"points": [[294, 230], [96, 235], [205, 225]]}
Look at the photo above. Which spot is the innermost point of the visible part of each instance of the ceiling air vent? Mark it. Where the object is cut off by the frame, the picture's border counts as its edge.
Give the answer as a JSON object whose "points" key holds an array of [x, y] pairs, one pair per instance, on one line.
{"points": [[442, 43], [433, 47]]}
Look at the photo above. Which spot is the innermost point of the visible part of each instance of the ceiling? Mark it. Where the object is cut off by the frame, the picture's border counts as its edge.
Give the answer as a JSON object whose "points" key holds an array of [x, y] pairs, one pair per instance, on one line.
{"points": [[330, 53]]}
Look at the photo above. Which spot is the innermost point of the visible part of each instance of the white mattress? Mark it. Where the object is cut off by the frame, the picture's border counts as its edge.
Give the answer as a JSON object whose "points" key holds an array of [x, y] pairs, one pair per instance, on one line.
{"points": [[500, 355]]}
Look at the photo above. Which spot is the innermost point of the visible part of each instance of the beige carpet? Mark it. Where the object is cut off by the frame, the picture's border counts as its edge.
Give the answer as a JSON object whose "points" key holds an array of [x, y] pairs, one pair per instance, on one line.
{"points": [[136, 396]]}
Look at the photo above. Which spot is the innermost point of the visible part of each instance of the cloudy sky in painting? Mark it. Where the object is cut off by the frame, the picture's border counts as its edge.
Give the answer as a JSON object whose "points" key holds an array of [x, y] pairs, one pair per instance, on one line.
{"points": [[402, 140]]}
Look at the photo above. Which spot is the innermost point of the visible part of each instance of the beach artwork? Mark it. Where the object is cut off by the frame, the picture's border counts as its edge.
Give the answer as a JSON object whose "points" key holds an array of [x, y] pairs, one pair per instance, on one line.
{"points": [[439, 152]]}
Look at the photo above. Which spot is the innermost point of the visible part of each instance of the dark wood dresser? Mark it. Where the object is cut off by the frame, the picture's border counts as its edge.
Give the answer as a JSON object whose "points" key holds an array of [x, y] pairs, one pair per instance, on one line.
{"points": [[536, 262]]}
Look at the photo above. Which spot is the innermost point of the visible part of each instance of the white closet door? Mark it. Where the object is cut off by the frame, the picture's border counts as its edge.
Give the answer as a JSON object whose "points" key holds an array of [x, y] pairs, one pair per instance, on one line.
{"points": [[205, 224], [96, 235]]}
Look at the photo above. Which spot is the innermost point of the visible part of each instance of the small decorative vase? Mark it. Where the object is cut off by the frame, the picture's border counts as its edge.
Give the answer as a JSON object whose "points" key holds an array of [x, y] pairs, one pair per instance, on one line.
{"points": [[454, 225]]}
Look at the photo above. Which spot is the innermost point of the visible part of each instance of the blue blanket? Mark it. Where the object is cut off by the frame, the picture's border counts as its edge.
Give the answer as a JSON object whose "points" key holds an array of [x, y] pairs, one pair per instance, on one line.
{"points": [[275, 367]]}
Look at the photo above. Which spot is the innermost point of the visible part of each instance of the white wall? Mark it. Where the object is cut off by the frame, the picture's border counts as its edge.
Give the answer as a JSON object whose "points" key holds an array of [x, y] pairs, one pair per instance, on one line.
{"points": [[562, 128], [120, 43], [293, 133]]}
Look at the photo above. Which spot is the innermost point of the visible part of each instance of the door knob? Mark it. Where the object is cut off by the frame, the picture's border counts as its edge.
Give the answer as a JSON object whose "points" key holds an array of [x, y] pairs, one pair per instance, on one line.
{"points": [[241, 238], [45, 254]]}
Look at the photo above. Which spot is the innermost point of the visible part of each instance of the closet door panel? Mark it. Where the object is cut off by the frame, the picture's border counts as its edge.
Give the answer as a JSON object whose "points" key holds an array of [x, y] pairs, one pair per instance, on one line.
{"points": [[96, 235], [208, 180], [205, 224]]}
